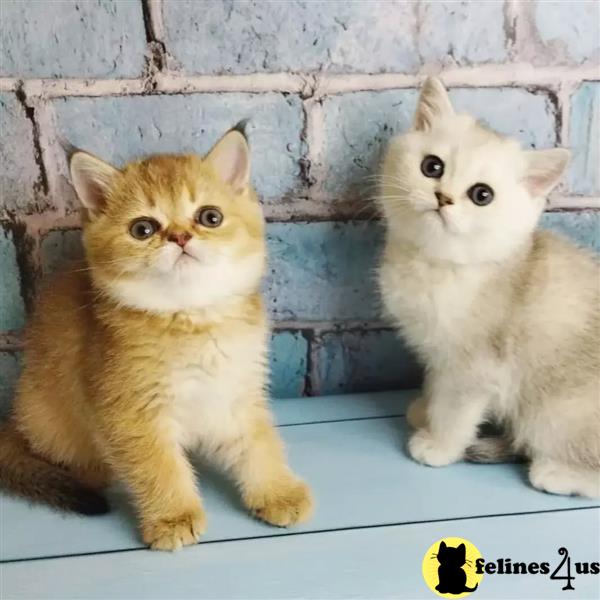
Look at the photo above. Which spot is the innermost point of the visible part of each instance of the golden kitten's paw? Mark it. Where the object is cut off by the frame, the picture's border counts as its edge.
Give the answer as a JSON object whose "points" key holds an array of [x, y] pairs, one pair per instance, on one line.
{"points": [[172, 534], [285, 504], [424, 448]]}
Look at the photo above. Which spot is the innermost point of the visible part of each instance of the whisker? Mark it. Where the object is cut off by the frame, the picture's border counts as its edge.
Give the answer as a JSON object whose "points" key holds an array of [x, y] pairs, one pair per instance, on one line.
{"points": [[117, 261]]}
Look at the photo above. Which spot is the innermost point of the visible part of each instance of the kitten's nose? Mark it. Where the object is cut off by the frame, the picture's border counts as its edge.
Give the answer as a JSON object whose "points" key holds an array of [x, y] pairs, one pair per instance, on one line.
{"points": [[181, 238], [443, 200]]}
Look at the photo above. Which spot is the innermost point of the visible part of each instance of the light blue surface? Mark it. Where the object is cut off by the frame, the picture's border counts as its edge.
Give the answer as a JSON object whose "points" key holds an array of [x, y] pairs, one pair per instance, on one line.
{"points": [[357, 468], [370, 563], [297, 411]]}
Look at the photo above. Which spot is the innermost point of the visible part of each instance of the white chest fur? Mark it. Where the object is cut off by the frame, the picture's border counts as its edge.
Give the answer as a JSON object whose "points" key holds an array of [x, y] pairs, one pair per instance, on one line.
{"points": [[209, 379], [434, 305]]}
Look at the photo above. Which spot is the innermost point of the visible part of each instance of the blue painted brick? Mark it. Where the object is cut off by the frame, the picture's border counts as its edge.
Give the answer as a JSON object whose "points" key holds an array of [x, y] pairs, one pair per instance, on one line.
{"points": [[288, 357], [9, 372], [63, 38], [356, 128], [528, 116], [357, 361], [12, 308], [121, 128], [569, 30], [19, 173], [59, 247], [584, 175], [291, 36], [462, 32], [375, 36], [322, 271], [582, 227], [358, 125]]}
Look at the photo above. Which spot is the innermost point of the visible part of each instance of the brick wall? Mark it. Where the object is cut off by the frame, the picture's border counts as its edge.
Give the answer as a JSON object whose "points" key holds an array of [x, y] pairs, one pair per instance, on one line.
{"points": [[325, 85]]}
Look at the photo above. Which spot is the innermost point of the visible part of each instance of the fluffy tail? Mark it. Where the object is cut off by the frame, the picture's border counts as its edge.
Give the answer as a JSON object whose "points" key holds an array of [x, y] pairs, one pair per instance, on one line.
{"points": [[492, 449], [25, 475]]}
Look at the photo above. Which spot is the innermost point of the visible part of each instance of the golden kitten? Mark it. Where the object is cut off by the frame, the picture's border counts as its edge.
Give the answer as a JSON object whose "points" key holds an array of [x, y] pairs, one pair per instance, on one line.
{"points": [[156, 347], [505, 318]]}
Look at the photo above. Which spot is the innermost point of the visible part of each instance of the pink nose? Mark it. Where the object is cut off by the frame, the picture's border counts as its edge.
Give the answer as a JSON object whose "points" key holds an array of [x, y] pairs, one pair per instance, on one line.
{"points": [[181, 238]]}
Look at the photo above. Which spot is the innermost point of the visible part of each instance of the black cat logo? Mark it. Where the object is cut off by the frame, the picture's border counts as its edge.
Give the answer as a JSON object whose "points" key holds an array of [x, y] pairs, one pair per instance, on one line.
{"points": [[452, 576]]}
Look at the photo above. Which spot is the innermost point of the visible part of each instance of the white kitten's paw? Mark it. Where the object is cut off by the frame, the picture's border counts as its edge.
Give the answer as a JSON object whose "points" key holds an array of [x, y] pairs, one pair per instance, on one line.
{"points": [[429, 451], [557, 478]]}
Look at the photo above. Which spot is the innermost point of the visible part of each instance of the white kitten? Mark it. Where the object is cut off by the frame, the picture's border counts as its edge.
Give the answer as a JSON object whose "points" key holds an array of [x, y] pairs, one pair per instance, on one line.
{"points": [[505, 318]]}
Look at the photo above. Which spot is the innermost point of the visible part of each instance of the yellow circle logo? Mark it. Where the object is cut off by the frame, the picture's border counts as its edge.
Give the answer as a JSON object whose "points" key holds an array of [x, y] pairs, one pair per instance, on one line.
{"points": [[449, 568]]}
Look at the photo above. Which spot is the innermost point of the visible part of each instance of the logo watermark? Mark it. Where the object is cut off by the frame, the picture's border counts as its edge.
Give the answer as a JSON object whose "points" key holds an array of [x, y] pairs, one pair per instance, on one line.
{"points": [[454, 568]]}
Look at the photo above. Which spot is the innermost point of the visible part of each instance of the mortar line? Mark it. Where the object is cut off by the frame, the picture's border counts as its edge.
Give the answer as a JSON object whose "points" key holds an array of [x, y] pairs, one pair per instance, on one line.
{"points": [[171, 82], [511, 18], [516, 74], [565, 91], [310, 372], [315, 141], [155, 20], [41, 186]]}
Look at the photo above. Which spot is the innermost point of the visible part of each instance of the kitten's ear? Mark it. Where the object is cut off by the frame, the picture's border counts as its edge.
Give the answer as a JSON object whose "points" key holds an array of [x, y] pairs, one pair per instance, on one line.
{"points": [[230, 158], [91, 178], [442, 546], [433, 104], [544, 169]]}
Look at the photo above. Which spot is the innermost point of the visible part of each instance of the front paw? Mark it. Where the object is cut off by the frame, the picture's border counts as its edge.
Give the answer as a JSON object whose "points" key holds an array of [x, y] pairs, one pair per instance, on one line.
{"points": [[282, 504], [424, 448], [172, 534]]}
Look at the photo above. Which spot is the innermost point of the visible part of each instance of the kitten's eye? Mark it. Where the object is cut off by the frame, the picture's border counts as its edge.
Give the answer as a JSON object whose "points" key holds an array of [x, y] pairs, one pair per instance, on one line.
{"points": [[142, 229], [209, 216], [481, 194], [432, 166]]}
